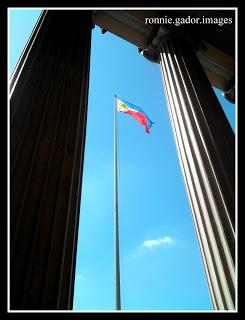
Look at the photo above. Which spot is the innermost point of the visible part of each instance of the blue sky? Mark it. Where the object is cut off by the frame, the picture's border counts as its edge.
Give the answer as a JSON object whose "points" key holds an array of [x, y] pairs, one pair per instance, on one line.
{"points": [[161, 266]]}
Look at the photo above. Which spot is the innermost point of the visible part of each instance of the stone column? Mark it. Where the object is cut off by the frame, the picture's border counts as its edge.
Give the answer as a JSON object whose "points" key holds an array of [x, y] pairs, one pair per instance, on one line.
{"points": [[206, 148], [48, 111]]}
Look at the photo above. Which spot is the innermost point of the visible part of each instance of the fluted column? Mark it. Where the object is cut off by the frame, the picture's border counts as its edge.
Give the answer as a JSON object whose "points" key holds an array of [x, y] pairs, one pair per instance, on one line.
{"points": [[48, 111], [206, 148]]}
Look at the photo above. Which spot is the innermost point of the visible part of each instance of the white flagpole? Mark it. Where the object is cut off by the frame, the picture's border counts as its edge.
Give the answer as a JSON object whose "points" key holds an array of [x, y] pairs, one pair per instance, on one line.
{"points": [[117, 260]]}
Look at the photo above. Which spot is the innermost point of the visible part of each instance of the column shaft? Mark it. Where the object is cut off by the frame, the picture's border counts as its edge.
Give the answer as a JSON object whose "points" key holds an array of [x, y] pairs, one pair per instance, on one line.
{"points": [[48, 111], [206, 148]]}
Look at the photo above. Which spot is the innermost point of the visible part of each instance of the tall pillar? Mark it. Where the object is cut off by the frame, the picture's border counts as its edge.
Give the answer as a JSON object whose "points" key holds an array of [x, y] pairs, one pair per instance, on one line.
{"points": [[48, 111], [206, 149]]}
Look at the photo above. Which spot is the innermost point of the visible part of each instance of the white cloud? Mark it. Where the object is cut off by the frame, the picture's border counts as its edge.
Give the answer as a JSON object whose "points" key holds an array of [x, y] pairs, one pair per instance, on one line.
{"points": [[80, 277], [163, 241]]}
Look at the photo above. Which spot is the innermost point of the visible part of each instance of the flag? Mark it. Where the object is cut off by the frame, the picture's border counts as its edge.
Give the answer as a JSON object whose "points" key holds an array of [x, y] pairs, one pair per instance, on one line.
{"points": [[134, 111]]}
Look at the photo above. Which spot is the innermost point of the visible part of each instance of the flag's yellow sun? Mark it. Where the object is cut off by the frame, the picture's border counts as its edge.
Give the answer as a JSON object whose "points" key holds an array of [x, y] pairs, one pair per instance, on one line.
{"points": [[123, 106]]}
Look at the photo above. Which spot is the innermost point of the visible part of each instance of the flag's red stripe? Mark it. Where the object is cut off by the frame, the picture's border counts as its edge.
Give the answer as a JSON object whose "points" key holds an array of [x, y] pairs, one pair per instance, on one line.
{"points": [[141, 118]]}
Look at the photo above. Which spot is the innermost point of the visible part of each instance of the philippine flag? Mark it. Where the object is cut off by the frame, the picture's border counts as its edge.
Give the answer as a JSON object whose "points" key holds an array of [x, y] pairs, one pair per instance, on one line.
{"points": [[134, 111]]}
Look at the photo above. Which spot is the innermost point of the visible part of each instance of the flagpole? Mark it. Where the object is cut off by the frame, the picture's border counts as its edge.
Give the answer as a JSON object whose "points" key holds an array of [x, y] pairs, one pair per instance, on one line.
{"points": [[117, 260]]}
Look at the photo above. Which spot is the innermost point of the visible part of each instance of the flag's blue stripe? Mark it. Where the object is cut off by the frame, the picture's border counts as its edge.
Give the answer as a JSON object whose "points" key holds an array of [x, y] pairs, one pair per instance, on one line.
{"points": [[140, 110]]}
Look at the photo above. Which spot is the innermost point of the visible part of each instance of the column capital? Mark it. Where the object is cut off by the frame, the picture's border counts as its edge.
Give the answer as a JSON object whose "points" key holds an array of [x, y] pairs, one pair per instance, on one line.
{"points": [[218, 65], [152, 52]]}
